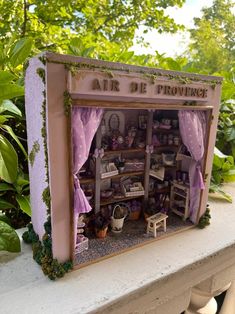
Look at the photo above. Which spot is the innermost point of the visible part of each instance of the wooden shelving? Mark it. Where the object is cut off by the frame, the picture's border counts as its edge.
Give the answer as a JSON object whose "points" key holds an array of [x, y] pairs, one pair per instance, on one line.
{"points": [[86, 180], [160, 191], [177, 212], [117, 200], [125, 174], [100, 183], [165, 147], [121, 151], [166, 131]]}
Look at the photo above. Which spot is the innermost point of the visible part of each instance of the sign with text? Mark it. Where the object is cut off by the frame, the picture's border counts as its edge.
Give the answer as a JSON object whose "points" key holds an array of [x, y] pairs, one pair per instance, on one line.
{"points": [[90, 83]]}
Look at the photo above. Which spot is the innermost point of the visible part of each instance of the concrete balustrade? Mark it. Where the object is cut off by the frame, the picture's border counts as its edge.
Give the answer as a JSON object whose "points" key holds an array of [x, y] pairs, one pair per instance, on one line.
{"points": [[180, 273]]}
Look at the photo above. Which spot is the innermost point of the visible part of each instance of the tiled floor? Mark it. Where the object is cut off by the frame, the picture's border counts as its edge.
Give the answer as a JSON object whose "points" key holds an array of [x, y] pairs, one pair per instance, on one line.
{"points": [[134, 233]]}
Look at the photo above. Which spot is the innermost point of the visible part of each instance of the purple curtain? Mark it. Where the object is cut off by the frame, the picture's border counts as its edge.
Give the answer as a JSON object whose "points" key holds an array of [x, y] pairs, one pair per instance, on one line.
{"points": [[192, 126], [85, 122]]}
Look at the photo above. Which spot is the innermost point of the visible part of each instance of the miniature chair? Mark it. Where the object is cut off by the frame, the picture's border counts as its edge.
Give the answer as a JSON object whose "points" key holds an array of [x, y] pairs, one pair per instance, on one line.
{"points": [[156, 221]]}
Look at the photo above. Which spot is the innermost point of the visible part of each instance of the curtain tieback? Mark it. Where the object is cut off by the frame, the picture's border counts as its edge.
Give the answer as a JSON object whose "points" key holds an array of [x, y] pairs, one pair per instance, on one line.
{"points": [[76, 182], [198, 181], [149, 149]]}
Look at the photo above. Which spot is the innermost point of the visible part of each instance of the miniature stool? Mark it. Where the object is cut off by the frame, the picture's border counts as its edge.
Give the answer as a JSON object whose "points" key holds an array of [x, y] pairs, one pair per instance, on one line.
{"points": [[156, 221]]}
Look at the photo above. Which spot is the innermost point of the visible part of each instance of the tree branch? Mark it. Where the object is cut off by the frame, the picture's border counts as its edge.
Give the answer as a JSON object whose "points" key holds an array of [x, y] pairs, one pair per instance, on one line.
{"points": [[25, 19]]}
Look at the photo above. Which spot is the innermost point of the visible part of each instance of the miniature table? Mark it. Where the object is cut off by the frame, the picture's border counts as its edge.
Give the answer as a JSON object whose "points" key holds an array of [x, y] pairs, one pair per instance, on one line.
{"points": [[156, 221]]}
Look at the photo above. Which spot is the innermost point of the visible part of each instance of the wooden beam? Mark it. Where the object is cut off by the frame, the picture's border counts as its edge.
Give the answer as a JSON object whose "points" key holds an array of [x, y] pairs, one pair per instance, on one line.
{"points": [[136, 105]]}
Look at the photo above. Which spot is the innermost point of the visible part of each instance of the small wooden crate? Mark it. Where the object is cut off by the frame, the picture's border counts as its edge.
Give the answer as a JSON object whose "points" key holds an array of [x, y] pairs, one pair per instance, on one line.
{"points": [[139, 192]]}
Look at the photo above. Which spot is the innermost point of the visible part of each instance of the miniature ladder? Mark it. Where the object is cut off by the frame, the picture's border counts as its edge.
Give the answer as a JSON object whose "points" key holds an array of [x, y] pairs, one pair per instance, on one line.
{"points": [[156, 221]]}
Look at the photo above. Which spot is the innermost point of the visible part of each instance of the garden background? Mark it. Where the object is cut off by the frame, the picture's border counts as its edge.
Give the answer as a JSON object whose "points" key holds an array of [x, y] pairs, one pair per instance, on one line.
{"points": [[106, 30]]}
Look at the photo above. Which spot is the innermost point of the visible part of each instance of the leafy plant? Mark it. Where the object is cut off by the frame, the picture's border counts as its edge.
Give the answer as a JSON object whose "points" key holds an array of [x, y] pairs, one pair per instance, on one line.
{"points": [[15, 200], [223, 171], [9, 157], [226, 128], [100, 221], [9, 240]]}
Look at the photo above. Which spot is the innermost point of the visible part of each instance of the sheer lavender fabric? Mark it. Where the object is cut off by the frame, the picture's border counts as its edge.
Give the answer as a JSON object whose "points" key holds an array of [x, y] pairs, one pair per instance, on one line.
{"points": [[192, 126], [85, 122]]}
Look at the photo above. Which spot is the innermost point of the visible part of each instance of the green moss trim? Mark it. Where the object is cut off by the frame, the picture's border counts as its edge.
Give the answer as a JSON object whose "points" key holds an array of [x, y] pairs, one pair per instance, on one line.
{"points": [[108, 73], [190, 103], [42, 253], [44, 135], [35, 149], [42, 59], [25, 66], [46, 197], [41, 72], [42, 250], [67, 103], [204, 221], [183, 79]]}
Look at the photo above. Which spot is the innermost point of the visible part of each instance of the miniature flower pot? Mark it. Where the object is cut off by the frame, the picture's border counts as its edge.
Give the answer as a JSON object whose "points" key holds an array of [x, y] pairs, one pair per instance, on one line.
{"points": [[101, 233], [146, 216]]}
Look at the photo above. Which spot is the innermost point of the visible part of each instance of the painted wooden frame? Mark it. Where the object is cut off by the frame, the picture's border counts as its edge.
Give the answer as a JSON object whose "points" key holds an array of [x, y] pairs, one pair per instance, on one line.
{"points": [[56, 82]]}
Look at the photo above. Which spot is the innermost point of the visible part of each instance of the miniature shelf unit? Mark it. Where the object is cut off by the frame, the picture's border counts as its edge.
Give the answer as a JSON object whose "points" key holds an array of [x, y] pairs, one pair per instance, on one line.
{"points": [[95, 182], [179, 201], [135, 154]]}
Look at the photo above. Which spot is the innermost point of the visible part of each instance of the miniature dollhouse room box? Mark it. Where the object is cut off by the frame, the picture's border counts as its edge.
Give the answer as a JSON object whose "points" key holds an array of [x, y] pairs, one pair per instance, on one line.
{"points": [[115, 150]]}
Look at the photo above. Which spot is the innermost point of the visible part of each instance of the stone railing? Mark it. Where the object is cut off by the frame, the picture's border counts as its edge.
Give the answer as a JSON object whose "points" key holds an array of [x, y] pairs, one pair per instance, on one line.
{"points": [[179, 273]]}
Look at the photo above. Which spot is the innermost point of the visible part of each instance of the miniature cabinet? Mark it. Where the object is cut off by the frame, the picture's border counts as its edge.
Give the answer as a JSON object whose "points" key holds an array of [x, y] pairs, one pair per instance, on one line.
{"points": [[179, 201]]}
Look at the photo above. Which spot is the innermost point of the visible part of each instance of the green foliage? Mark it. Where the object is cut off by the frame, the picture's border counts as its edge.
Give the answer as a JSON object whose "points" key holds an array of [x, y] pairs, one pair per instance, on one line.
{"points": [[5, 219], [9, 161], [223, 168], [20, 51], [35, 149], [212, 39], [24, 204], [223, 171], [42, 253], [99, 24], [9, 240], [226, 128], [46, 197], [204, 221], [8, 106], [67, 103], [15, 200]]}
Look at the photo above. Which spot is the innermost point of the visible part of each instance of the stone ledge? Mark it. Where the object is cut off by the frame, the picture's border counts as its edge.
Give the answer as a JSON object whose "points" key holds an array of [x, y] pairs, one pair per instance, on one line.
{"points": [[148, 278]]}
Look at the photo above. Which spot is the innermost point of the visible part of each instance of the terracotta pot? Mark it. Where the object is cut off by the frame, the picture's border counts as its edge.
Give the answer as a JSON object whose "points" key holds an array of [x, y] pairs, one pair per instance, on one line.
{"points": [[134, 215], [101, 233], [146, 216]]}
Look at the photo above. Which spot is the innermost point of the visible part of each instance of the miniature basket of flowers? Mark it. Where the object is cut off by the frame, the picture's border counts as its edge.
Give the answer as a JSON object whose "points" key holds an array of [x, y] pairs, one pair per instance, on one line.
{"points": [[134, 210], [120, 212]]}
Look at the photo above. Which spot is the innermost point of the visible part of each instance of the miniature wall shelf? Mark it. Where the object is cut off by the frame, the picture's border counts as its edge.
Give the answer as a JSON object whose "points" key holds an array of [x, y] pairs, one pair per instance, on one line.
{"points": [[153, 103]]}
